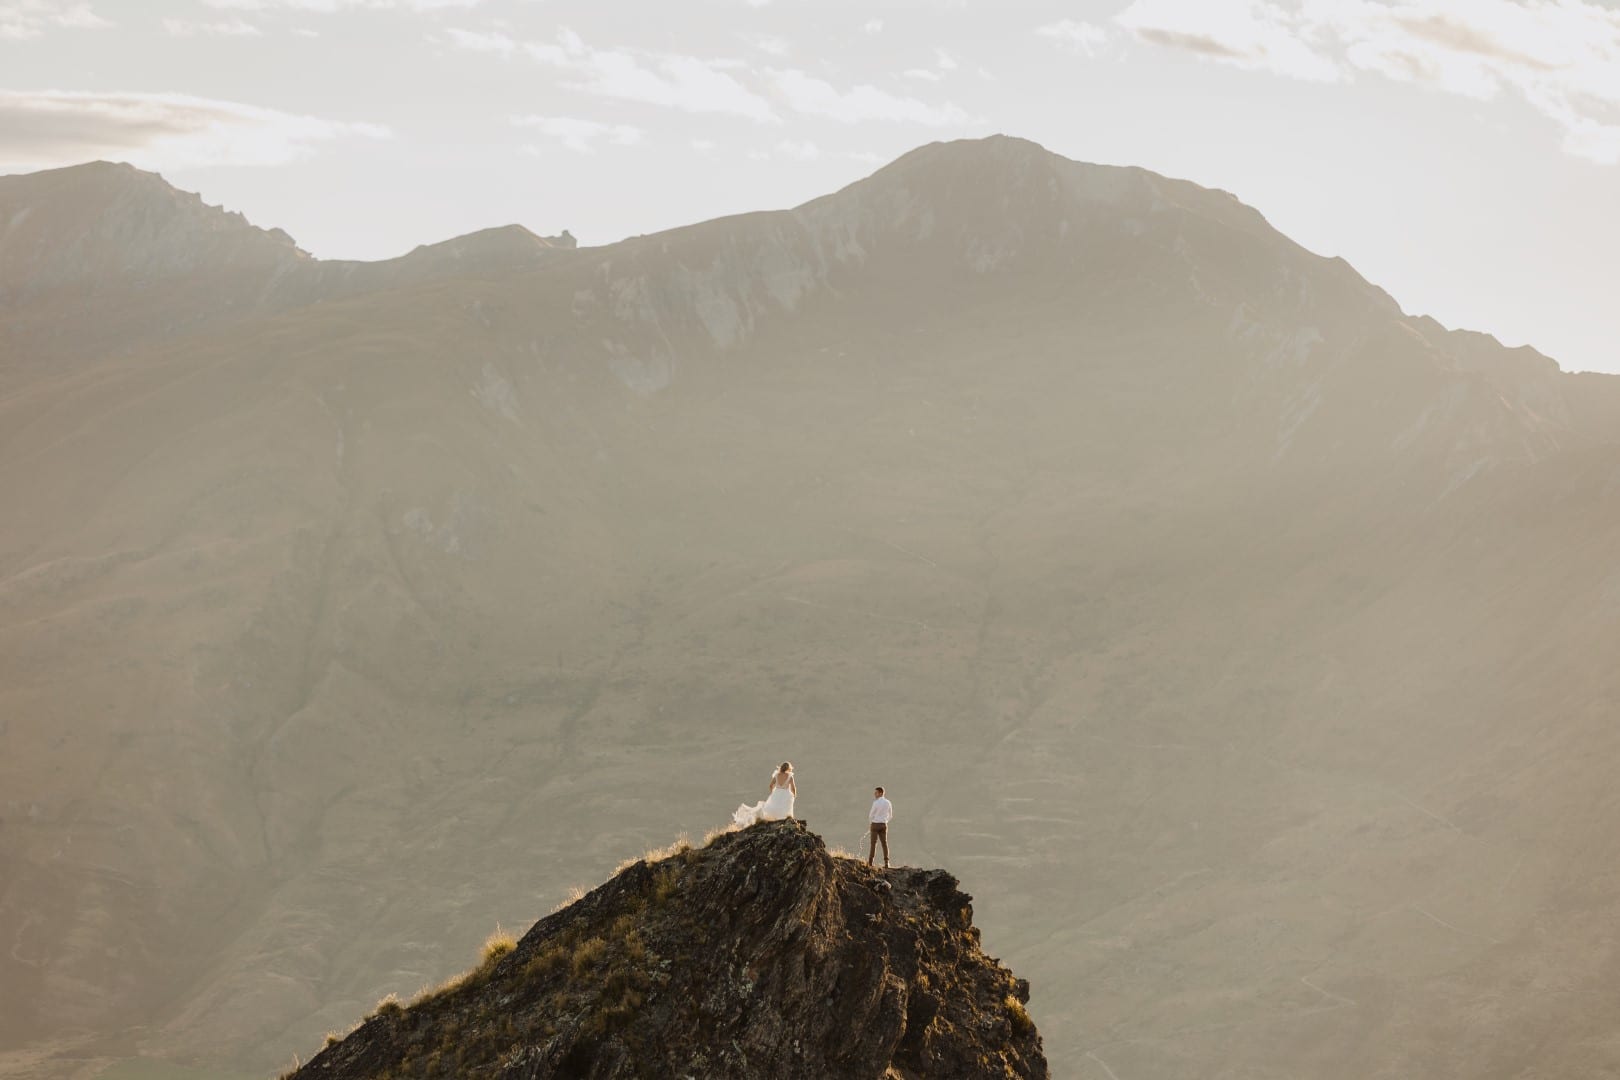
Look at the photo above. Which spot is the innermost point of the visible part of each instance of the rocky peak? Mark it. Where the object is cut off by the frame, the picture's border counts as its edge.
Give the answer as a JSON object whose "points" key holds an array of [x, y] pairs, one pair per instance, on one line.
{"points": [[1008, 204], [760, 954], [978, 200], [504, 248], [106, 223]]}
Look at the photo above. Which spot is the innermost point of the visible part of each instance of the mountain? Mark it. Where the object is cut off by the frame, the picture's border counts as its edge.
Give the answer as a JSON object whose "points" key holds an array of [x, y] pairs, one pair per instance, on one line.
{"points": [[150, 263], [1243, 642], [759, 954]]}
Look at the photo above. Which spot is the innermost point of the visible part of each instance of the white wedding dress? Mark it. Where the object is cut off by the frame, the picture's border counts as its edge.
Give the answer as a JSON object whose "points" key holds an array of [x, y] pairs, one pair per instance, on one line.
{"points": [[779, 805]]}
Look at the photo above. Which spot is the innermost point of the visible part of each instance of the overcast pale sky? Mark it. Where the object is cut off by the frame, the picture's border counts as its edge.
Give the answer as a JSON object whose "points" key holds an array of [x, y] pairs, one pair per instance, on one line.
{"points": [[1464, 154]]}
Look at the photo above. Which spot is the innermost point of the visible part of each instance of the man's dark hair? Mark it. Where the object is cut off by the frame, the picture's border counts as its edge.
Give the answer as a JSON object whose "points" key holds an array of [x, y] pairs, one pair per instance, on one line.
{"points": [[878, 790]]}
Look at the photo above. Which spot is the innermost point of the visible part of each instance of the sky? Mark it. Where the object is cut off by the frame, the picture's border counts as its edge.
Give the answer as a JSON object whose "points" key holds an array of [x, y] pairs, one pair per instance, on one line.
{"points": [[1462, 154]]}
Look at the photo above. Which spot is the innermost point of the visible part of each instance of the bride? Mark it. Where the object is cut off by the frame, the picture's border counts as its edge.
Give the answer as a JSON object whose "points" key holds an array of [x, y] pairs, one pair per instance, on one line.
{"points": [[778, 804]]}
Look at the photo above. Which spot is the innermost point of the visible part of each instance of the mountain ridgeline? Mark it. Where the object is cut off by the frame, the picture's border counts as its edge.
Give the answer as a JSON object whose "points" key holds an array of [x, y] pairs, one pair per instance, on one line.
{"points": [[759, 954], [1244, 643]]}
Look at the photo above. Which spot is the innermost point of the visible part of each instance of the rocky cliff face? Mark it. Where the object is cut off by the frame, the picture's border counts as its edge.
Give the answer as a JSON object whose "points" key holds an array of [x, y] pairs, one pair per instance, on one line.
{"points": [[760, 954]]}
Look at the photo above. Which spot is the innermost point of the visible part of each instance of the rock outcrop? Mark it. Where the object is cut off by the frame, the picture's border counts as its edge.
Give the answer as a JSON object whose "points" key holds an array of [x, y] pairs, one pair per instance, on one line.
{"points": [[761, 954]]}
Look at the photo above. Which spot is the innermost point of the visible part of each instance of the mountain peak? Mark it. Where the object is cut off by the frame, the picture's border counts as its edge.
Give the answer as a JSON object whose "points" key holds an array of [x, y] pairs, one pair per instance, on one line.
{"points": [[104, 222], [997, 160], [499, 245], [999, 147], [760, 954], [100, 171]]}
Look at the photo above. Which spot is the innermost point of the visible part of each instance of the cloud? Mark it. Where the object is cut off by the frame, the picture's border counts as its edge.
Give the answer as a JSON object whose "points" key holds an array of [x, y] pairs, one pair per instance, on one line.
{"points": [[674, 81], [23, 20], [699, 85], [1250, 34], [1562, 57], [798, 151], [873, 26], [187, 28], [944, 60], [329, 7], [80, 17], [1082, 37], [815, 97], [158, 131], [769, 44], [580, 136], [925, 74], [670, 80], [478, 41]]}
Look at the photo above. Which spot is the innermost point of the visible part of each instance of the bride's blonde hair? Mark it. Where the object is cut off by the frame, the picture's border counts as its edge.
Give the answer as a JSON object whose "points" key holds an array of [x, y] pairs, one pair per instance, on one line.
{"points": [[786, 767]]}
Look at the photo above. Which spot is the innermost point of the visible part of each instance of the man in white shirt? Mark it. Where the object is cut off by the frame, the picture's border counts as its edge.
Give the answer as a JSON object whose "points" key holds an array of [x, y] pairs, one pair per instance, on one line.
{"points": [[882, 814]]}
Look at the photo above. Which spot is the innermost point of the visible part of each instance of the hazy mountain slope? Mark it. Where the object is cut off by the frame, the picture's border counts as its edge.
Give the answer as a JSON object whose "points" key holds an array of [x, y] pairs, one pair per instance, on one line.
{"points": [[1244, 640], [102, 258]]}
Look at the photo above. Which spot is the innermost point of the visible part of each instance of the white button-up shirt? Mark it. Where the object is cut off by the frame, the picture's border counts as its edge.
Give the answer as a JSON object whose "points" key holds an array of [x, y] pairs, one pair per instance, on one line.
{"points": [[882, 811]]}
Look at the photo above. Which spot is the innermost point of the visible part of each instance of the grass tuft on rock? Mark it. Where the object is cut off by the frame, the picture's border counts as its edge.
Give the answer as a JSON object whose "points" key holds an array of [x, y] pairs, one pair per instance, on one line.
{"points": [[498, 944], [1019, 1016]]}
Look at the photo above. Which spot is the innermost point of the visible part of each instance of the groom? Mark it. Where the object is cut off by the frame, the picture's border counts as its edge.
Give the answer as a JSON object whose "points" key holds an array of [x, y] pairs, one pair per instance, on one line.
{"points": [[882, 813]]}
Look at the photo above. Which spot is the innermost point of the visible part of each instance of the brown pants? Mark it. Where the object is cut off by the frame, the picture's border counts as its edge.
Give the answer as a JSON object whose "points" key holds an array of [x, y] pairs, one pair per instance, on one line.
{"points": [[880, 831]]}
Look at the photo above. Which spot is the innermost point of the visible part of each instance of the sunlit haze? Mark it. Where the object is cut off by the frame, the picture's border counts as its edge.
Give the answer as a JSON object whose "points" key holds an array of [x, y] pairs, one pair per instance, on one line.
{"points": [[1460, 153], [771, 538]]}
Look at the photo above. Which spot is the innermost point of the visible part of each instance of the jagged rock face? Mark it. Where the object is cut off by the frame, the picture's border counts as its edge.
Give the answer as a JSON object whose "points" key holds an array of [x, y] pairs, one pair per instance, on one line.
{"points": [[103, 224], [758, 955]]}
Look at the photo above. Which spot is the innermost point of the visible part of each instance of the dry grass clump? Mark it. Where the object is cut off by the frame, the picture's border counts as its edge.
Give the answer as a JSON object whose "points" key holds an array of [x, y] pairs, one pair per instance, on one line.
{"points": [[665, 885], [714, 834], [390, 1006], [498, 944], [627, 941], [432, 993], [546, 961], [682, 846], [622, 995], [1021, 1023], [586, 954], [576, 893], [679, 846]]}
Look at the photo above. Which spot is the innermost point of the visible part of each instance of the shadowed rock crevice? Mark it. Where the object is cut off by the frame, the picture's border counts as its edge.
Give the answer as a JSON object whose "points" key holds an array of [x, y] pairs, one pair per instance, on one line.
{"points": [[760, 954]]}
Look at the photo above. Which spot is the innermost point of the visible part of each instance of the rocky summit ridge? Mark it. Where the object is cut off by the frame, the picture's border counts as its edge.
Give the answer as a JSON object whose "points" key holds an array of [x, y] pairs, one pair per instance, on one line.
{"points": [[759, 954]]}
